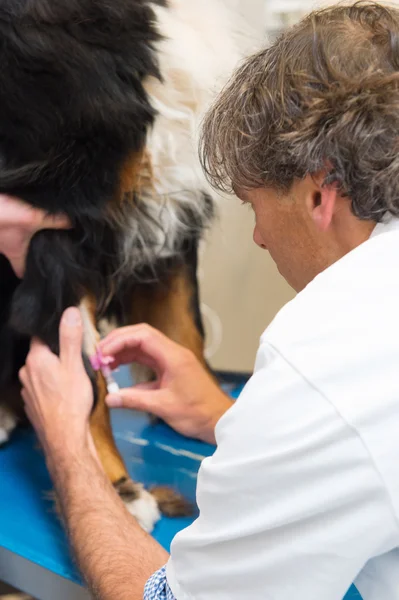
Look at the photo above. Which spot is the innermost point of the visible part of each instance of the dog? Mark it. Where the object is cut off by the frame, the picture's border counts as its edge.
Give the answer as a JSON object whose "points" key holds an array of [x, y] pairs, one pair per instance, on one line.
{"points": [[100, 103]]}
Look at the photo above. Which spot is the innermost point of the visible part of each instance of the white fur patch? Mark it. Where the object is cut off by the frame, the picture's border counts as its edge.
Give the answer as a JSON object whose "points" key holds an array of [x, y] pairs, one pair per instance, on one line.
{"points": [[8, 423], [200, 48], [145, 510], [105, 326], [195, 33]]}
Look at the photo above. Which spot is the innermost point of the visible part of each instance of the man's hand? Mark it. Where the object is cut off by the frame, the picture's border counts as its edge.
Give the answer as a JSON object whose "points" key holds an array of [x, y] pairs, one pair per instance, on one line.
{"points": [[57, 391], [115, 555], [18, 224], [184, 394]]}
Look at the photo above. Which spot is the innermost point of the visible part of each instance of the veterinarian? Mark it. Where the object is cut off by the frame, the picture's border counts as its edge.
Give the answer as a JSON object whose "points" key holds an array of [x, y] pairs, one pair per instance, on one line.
{"points": [[302, 494]]}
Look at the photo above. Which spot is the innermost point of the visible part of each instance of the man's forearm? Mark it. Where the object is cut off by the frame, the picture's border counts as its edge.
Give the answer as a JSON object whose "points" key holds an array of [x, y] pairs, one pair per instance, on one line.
{"points": [[115, 555]]}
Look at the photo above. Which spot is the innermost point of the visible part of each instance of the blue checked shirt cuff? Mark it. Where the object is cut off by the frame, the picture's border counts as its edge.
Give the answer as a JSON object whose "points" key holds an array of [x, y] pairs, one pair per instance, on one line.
{"points": [[157, 587]]}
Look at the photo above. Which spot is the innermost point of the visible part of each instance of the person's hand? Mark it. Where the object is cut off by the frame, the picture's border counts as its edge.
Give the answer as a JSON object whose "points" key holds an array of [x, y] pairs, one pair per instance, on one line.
{"points": [[184, 394], [18, 224], [57, 392]]}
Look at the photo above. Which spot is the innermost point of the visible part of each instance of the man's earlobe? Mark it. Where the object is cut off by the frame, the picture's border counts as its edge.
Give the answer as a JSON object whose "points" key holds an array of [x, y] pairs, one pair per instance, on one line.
{"points": [[323, 204]]}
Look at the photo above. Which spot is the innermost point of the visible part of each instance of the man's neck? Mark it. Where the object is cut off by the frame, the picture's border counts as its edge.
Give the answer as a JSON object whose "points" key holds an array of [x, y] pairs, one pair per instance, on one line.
{"points": [[351, 232]]}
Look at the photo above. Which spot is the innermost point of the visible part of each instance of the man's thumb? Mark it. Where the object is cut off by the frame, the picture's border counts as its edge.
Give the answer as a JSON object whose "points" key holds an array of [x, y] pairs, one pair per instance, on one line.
{"points": [[71, 336], [144, 400]]}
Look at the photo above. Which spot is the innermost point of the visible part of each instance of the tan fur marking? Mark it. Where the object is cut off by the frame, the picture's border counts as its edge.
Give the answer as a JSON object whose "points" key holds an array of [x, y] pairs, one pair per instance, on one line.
{"points": [[137, 173], [100, 426], [100, 423], [128, 490], [171, 503], [167, 307]]}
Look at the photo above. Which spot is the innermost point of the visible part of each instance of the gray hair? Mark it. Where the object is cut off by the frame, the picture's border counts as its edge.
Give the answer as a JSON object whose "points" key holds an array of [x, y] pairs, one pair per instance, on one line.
{"points": [[325, 95]]}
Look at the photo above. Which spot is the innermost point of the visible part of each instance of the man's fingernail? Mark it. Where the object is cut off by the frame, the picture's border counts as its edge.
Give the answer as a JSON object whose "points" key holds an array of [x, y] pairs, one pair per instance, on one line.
{"points": [[72, 317], [114, 401]]}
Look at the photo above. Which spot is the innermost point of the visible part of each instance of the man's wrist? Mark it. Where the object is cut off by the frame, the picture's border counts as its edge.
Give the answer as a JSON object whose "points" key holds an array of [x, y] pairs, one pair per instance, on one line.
{"points": [[62, 455], [219, 408]]}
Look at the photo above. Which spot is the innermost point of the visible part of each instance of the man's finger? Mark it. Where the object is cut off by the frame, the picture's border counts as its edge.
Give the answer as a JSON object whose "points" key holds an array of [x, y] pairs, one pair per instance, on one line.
{"points": [[71, 337], [147, 385], [23, 376], [143, 400], [131, 331], [27, 401], [144, 345], [133, 355], [36, 345], [25, 397], [39, 353], [55, 222]]}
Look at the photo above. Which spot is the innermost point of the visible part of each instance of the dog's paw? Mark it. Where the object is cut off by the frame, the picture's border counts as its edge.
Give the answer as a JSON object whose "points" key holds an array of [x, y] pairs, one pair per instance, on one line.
{"points": [[8, 422], [171, 503], [145, 510], [140, 503]]}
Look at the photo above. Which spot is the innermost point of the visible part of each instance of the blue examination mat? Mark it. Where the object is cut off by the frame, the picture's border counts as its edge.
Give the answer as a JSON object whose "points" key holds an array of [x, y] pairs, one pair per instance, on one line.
{"points": [[29, 527]]}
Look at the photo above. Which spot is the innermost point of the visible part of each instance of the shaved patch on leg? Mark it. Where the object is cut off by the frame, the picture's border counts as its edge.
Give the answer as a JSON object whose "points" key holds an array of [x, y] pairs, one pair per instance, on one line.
{"points": [[91, 337]]}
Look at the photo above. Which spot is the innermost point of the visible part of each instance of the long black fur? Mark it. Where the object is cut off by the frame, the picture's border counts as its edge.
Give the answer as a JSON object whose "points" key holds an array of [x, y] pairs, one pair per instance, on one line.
{"points": [[72, 110]]}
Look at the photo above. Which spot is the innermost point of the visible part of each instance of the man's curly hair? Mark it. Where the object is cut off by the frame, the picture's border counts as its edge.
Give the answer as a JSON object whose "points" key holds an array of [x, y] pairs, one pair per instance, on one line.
{"points": [[325, 95]]}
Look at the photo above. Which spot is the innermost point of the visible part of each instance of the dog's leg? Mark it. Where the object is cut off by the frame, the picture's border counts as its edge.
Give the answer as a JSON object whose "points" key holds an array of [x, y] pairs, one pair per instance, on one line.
{"points": [[140, 503], [167, 306], [171, 304]]}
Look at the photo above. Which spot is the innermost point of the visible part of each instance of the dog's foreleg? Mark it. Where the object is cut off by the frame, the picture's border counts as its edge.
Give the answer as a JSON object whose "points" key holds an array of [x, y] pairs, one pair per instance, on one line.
{"points": [[140, 503]]}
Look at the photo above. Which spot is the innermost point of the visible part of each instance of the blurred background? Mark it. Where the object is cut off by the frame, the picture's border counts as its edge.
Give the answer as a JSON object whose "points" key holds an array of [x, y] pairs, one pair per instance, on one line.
{"points": [[240, 286]]}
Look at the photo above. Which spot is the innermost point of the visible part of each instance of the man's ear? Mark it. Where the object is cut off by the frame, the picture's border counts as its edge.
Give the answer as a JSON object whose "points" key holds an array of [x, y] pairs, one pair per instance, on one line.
{"points": [[321, 202]]}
